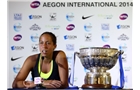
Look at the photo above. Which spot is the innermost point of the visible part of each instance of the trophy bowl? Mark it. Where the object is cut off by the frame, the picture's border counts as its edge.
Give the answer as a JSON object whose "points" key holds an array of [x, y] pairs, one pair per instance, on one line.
{"points": [[98, 60], [98, 57]]}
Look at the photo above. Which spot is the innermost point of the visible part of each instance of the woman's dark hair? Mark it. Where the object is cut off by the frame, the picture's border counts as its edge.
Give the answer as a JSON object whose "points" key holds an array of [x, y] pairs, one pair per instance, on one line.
{"points": [[53, 37]]}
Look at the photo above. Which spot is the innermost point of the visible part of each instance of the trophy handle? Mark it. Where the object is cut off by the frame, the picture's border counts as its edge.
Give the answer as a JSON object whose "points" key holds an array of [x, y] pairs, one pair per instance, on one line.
{"points": [[76, 53], [120, 53]]}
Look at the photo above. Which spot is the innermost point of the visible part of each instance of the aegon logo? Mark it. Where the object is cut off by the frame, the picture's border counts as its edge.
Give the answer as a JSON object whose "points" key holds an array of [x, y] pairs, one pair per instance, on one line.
{"points": [[123, 16], [35, 16], [123, 26], [69, 37], [17, 47], [70, 27], [17, 37], [35, 4]]}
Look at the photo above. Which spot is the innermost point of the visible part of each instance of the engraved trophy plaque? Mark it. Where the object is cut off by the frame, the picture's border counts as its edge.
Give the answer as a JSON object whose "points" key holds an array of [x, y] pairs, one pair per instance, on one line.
{"points": [[98, 60]]}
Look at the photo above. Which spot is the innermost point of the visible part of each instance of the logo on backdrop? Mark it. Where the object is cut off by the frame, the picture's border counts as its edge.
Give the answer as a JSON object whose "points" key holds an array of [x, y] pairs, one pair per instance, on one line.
{"points": [[123, 37], [35, 48], [69, 58], [123, 26], [88, 27], [124, 57], [126, 78], [127, 68], [70, 37], [17, 27], [105, 26], [123, 46], [35, 4], [70, 16], [35, 27], [17, 48], [17, 37], [70, 47], [35, 16], [17, 16], [105, 37], [86, 17], [15, 58], [70, 27], [123, 16], [52, 16], [16, 68], [105, 16], [34, 37], [106, 46], [52, 27], [88, 37]]}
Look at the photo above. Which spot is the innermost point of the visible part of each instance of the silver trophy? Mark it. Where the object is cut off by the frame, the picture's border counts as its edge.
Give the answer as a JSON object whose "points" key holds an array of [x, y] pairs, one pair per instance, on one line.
{"points": [[98, 60]]}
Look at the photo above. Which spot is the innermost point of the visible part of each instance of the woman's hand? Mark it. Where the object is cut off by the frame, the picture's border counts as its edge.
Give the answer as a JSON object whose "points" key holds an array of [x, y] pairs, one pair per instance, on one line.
{"points": [[29, 84], [51, 83]]}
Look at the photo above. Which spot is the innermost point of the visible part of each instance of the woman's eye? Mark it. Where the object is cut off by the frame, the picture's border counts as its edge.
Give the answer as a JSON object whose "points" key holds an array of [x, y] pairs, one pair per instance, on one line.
{"points": [[48, 43], [44, 43], [40, 42]]}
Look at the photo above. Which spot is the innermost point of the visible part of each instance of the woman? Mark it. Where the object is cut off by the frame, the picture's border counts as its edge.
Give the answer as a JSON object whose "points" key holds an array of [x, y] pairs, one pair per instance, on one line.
{"points": [[50, 65]]}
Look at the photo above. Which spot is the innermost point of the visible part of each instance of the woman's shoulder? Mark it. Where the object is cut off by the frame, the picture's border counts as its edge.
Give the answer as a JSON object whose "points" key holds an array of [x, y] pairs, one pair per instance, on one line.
{"points": [[30, 61], [59, 54], [33, 57], [59, 51]]}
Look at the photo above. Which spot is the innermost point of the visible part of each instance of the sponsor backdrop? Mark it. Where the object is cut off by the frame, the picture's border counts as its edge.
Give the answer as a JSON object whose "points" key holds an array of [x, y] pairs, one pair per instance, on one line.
{"points": [[76, 25]]}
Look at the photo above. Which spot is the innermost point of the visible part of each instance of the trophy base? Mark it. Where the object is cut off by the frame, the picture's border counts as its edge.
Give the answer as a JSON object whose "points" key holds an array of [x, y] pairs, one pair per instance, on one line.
{"points": [[96, 86]]}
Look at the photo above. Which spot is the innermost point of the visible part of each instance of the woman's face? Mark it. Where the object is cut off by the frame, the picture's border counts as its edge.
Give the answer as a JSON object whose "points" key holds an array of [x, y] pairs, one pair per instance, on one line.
{"points": [[46, 45]]}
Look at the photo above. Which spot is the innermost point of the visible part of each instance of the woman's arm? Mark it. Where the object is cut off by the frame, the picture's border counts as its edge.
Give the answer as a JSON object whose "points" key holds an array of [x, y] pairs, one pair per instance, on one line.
{"points": [[61, 60], [23, 73], [51, 84]]}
